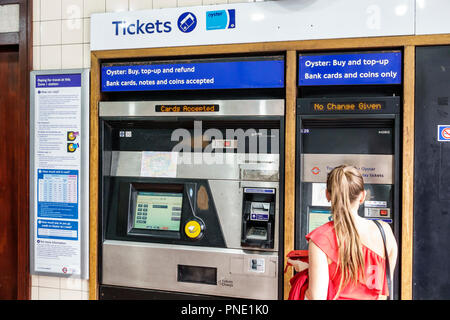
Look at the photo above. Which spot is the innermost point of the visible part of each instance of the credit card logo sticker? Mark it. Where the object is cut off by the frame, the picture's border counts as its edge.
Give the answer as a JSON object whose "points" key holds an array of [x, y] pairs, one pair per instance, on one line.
{"points": [[72, 147], [221, 19], [72, 135], [187, 22]]}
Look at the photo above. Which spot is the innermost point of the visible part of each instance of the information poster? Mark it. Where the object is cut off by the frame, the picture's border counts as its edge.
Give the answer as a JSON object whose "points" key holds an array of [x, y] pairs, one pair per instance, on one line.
{"points": [[57, 167]]}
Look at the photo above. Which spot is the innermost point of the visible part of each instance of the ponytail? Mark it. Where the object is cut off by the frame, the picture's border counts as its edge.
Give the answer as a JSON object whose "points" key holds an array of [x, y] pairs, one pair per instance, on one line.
{"points": [[345, 184]]}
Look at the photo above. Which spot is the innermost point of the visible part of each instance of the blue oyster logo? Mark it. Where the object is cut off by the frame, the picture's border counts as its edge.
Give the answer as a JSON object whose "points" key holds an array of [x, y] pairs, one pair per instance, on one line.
{"points": [[187, 22], [221, 19]]}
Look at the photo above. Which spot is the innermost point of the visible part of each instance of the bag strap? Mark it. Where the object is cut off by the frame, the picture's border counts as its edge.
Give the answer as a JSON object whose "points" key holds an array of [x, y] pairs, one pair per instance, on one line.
{"points": [[386, 256]]}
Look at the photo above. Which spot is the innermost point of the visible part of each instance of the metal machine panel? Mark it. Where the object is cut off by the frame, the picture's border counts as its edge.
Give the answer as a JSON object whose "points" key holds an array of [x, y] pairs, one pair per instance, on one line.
{"points": [[258, 108], [225, 166], [376, 169], [226, 241], [154, 266]]}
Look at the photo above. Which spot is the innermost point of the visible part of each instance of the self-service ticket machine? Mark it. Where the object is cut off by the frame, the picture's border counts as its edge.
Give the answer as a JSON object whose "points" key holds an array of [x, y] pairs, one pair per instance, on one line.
{"points": [[363, 132], [342, 121], [191, 195]]}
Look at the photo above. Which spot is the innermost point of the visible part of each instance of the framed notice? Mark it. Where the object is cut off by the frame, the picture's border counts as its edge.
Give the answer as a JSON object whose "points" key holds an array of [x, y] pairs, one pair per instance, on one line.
{"points": [[59, 172]]}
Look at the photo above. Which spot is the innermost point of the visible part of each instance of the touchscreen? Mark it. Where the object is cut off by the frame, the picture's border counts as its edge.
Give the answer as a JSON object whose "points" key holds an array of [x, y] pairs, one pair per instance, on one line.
{"points": [[158, 211]]}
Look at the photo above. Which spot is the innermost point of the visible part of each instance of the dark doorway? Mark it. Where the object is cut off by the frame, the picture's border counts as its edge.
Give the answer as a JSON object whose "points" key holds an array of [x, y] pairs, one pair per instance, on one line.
{"points": [[15, 57]]}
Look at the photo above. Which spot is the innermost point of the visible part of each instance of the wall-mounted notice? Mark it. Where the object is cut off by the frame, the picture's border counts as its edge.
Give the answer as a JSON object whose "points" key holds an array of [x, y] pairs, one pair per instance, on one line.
{"points": [[57, 133], [350, 69], [195, 75], [443, 133]]}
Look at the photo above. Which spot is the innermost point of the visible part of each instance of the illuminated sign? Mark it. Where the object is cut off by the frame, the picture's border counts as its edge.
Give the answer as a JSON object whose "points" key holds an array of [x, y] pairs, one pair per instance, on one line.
{"points": [[350, 69], [347, 106], [187, 108], [201, 74]]}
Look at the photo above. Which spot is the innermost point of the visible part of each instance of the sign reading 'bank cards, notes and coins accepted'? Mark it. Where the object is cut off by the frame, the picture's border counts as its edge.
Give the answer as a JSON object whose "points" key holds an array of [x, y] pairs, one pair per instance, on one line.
{"points": [[195, 75], [368, 68]]}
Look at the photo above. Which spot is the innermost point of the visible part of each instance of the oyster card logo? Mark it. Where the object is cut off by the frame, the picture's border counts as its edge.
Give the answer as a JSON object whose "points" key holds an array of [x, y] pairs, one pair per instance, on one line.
{"points": [[221, 19], [187, 22]]}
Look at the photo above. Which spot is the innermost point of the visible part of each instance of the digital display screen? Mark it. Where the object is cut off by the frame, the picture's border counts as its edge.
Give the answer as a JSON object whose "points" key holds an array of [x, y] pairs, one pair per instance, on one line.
{"points": [[318, 217], [158, 211]]}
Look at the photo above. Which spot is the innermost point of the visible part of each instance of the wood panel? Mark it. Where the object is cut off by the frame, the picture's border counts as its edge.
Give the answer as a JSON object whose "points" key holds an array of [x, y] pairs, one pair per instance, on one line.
{"points": [[93, 178], [289, 182], [9, 80], [406, 250], [290, 47], [306, 45], [14, 90]]}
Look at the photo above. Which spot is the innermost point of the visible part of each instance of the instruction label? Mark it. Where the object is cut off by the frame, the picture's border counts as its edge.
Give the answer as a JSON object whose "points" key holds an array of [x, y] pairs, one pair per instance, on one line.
{"points": [[57, 163], [194, 76], [350, 69]]}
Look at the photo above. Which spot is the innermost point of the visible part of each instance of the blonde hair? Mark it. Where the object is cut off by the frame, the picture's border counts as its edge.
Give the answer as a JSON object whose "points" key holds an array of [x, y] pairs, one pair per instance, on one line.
{"points": [[345, 184]]}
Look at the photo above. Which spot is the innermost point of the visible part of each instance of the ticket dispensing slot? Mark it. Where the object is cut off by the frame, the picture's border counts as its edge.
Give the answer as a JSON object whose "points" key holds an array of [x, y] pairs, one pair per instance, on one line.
{"points": [[258, 217]]}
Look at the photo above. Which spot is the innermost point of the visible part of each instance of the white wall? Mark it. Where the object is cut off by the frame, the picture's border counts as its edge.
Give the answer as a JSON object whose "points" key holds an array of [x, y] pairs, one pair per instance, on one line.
{"points": [[61, 32]]}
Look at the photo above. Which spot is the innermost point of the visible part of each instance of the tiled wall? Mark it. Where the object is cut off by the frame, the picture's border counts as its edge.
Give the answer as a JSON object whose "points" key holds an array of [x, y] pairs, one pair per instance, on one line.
{"points": [[61, 36]]}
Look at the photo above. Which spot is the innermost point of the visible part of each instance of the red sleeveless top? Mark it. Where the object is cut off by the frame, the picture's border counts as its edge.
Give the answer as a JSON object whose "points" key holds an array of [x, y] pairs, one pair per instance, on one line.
{"points": [[375, 282]]}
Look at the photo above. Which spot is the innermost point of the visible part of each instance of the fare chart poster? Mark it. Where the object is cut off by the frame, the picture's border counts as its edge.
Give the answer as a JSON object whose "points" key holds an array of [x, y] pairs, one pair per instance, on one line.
{"points": [[57, 166]]}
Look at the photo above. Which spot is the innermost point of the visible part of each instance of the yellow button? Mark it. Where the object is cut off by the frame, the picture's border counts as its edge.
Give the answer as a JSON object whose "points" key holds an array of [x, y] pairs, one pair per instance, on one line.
{"points": [[193, 229]]}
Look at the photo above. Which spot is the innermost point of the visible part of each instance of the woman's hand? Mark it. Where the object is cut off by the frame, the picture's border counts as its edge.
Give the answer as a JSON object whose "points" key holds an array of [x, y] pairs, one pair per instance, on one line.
{"points": [[298, 265]]}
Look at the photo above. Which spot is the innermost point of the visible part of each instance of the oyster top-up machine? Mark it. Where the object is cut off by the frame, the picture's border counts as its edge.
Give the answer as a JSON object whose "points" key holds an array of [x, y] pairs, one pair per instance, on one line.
{"points": [[191, 195]]}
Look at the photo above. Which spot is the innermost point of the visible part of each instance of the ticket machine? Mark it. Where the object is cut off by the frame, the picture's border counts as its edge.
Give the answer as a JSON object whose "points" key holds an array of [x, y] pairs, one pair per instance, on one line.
{"points": [[359, 131], [191, 195]]}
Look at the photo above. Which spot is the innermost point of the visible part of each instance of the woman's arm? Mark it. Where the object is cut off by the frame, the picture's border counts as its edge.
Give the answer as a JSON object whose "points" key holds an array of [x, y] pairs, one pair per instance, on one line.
{"points": [[318, 273]]}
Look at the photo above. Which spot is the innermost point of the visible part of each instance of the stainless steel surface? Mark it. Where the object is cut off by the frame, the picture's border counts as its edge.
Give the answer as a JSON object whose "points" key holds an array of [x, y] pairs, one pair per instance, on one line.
{"points": [[234, 166], [273, 107], [375, 169], [154, 266]]}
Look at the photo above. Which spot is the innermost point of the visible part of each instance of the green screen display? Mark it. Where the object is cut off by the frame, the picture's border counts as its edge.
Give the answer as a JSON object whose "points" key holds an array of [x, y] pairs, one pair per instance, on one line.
{"points": [[158, 211]]}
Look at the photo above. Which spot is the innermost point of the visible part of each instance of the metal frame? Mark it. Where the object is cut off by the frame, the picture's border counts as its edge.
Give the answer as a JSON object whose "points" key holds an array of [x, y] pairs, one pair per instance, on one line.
{"points": [[84, 174]]}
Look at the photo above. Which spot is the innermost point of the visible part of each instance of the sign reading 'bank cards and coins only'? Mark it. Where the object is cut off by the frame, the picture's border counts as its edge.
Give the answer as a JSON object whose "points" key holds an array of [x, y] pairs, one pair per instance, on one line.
{"points": [[195, 75], [373, 68]]}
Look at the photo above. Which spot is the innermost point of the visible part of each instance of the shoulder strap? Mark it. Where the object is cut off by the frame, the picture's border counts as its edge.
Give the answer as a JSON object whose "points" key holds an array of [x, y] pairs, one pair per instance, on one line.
{"points": [[386, 257]]}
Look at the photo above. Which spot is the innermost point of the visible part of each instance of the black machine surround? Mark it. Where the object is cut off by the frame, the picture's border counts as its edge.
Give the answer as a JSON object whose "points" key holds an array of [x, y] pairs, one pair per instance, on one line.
{"points": [[122, 211], [359, 131]]}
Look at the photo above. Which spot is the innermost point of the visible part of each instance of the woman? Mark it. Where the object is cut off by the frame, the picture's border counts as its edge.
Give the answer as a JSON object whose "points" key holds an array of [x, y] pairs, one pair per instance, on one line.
{"points": [[346, 255]]}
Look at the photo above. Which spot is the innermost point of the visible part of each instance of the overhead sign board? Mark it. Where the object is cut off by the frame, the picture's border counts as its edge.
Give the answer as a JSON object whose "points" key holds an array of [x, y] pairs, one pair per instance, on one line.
{"points": [[350, 68], [194, 75], [265, 21]]}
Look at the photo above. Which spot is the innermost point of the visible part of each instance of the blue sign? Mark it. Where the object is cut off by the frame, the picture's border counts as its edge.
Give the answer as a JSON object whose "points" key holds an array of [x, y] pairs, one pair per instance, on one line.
{"points": [[57, 229], [58, 80], [221, 19], [444, 133], [57, 194], [350, 69], [194, 76], [187, 22]]}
